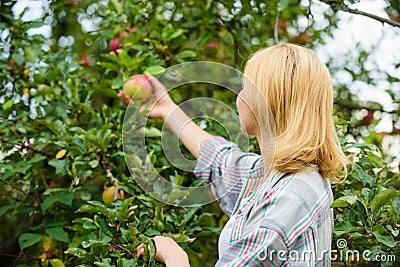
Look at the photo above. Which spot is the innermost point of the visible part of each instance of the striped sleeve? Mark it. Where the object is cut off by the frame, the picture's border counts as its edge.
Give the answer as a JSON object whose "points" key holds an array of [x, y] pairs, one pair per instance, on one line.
{"points": [[260, 247], [226, 166]]}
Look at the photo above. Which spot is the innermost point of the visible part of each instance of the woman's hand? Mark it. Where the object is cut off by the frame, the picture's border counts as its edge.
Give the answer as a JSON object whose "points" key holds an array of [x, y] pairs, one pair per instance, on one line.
{"points": [[162, 104], [167, 252]]}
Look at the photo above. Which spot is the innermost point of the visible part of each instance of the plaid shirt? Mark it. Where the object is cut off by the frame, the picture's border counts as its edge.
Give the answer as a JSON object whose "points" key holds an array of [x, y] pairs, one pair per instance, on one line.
{"points": [[283, 220]]}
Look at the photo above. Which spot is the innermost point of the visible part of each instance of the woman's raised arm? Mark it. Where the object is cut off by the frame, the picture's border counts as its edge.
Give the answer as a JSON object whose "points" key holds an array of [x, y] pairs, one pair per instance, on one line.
{"points": [[164, 107]]}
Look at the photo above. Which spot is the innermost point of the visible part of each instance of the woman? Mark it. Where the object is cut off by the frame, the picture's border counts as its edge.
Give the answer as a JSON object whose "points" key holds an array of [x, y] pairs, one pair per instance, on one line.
{"points": [[279, 206]]}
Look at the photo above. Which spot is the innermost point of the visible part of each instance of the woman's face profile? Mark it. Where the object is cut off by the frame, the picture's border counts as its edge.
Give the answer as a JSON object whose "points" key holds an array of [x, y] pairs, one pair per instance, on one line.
{"points": [[247, 124]]}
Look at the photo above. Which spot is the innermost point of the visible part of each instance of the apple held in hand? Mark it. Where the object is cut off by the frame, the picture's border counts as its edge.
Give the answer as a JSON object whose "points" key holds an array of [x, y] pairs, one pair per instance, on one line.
{"points": [[138, 87]]}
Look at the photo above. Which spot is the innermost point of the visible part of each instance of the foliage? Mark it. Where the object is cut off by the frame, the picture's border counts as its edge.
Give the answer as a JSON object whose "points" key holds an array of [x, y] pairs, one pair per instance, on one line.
{"points": [[61, 128], [366, 206]]}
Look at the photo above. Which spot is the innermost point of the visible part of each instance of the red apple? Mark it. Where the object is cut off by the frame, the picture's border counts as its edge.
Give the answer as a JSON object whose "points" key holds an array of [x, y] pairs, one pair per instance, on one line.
{"points": [[283, 24], [211, 48], [114, 45], [138, 87], [368, 119], [211, 45], [301, 39], [85, 60]]}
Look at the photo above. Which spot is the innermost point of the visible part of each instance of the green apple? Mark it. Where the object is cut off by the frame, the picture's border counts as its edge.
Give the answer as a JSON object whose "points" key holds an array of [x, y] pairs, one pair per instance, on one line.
{"points": [[137, 87], [109, 194]]}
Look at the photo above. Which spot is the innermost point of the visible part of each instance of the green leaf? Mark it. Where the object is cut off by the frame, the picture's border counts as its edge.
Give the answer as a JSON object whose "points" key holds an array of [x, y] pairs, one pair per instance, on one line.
{"points": [[282, 4], [22, 167], [18, 59], [4, 209], [382, 198], [117, 83], [375, 160], [57, 263], [77, 252], [206, 219], [361, 212], [176, 179], [359, 174], [26, 240], [97, 207], [344, 202], [126, 209], [29, 54], [181, 238], [103, 225], [395, 233], [175, 34], [117, 6], [51, 125], [58, 233], [36, 158], [154, 70], [187, 54], [361, 145], [133, 231], [396, 204], [62, 197], [148, 132], [128, 263], [167, 31], [105, 263], [346, 227], [94, 163], [8, 104], [59, 165], [383, 236], [125, 58]]}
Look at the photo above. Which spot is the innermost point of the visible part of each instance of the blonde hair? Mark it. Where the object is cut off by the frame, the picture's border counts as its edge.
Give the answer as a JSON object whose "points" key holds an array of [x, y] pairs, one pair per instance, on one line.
{"points": [[298, 92]]}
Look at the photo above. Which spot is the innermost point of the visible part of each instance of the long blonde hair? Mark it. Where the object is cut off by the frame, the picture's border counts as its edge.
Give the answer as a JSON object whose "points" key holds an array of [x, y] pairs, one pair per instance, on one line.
{"points": [[298, 93]]}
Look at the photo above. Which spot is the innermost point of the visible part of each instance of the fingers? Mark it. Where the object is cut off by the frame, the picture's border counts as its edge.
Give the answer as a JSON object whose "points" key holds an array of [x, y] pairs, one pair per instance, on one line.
{"points": [[154, 81], [148, 75], [126, 99], [139, 250]]}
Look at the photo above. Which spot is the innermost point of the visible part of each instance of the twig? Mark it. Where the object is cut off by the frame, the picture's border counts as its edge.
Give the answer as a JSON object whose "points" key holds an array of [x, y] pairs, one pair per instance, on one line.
{"points": [[18, 189], [122, 248], [108, 172], [276, 36], [343, 7], [19, 256], [10, 196], [23, 145]]}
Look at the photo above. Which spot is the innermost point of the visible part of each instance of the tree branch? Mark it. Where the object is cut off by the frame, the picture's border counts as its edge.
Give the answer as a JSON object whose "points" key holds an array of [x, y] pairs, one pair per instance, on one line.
{"points": [[345, 8], [276, 36]]}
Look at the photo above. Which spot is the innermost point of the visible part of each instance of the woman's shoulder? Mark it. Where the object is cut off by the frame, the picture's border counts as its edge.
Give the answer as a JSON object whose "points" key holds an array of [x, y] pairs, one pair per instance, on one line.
{"points": [[307, 181], [301, 191]]}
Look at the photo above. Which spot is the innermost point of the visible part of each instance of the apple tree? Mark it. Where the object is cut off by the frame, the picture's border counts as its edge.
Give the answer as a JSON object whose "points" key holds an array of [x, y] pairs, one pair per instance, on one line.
{"points": [[61, 126]]}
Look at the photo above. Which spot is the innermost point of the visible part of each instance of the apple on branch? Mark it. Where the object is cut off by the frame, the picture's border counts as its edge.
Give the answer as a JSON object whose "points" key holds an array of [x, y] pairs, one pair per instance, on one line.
{"points": [[137, 87], [111, 193]]}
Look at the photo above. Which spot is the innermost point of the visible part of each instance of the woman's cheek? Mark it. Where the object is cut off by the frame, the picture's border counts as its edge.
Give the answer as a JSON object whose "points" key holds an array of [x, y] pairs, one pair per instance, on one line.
{"points": [[246, 120]]}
